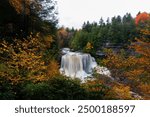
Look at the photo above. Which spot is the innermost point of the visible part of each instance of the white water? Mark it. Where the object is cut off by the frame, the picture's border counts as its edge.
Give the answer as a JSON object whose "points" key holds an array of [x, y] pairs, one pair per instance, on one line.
{"points": [[103, 71], [77, 65], [80, 65]]}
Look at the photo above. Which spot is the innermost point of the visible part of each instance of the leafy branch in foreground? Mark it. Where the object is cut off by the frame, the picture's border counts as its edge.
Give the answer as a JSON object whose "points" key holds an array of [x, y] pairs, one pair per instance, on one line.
{"points": [[23, 60]]}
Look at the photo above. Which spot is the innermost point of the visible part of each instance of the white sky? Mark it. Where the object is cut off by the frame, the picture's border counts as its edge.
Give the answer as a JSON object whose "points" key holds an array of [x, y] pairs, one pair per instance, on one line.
{"points": [[72, 13]]}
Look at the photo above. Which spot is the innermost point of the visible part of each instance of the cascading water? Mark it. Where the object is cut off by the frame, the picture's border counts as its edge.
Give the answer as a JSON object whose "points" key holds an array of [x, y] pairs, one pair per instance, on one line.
{"points": [[77, 65]]}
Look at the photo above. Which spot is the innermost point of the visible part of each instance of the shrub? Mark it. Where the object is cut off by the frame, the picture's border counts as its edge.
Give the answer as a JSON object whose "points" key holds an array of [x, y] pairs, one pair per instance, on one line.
{"points": [[96, 90], [6, 90], [65, 88], [59, 88], [36, 91]]}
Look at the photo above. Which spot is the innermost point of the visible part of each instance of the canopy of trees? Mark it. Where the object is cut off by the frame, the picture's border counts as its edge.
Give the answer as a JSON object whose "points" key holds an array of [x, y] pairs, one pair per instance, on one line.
{"points": [[117, 32], [133, 68], [20, 17]]}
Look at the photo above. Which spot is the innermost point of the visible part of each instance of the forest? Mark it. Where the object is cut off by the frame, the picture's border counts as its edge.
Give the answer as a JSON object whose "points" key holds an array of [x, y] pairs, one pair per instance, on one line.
{"points": [[30, 54]]}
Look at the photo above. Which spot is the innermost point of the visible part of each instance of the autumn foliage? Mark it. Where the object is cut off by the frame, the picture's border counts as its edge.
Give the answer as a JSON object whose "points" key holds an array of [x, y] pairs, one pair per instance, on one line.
{"points": [[24, 6], [142, 17], [133, 68], [23, 60], [120, 91]]}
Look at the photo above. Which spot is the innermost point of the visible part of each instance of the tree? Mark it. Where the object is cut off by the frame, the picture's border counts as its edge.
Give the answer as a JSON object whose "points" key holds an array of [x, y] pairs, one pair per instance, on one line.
{"points": [[134, 68], [79, 41], [142, 17], [28, 16], [8, 19], [117, 32], [63, 37], [101, 22], [141, 47], [87, 26], [23, 61]]}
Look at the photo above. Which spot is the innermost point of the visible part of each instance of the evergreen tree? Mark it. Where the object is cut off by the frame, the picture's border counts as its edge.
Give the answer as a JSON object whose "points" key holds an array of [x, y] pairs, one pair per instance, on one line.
{"points": [[25, 16], [120, 31]]}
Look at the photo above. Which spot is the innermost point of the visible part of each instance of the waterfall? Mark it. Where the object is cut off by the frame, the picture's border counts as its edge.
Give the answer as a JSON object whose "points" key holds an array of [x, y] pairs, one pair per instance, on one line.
{"points": [[77, 65]]}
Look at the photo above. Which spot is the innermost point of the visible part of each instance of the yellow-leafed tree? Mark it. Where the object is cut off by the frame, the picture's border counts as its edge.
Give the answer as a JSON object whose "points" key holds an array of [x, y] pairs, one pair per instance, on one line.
{"points": [[23, 61], [135, 67]]}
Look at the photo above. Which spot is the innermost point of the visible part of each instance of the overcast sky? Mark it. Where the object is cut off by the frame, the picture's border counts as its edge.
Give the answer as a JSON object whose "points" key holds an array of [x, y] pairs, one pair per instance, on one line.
{"points": [[72, 13]]}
